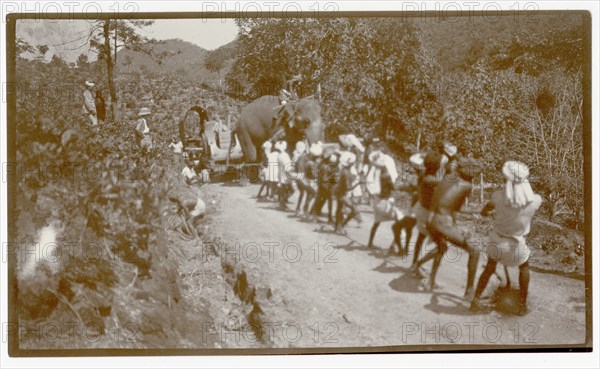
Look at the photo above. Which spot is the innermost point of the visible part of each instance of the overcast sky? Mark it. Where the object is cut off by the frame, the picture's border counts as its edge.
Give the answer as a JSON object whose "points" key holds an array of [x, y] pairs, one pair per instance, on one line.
{"points": [[207, 33], [67, 39]]}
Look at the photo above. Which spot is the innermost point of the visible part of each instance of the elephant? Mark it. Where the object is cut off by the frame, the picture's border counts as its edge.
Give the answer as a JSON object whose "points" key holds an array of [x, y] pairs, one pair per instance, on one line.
{"points": [[301, 120]]}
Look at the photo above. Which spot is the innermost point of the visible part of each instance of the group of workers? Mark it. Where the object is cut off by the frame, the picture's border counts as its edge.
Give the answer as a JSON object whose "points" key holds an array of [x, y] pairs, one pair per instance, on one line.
{"points": [[343, 173], [320, 173], [440, 186]]}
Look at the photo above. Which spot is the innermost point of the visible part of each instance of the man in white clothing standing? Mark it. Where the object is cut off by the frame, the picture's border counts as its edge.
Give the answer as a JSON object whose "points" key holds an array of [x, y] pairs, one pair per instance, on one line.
{"points": [[89, 103]]}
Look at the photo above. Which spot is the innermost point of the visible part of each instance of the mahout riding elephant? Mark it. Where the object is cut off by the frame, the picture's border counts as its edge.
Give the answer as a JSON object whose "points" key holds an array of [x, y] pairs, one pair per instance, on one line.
{"points": [[257, 124]]}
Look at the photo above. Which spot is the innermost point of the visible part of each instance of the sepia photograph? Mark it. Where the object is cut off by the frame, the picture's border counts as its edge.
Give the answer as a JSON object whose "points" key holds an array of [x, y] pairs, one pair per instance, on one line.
{"points": [[226, 183]]}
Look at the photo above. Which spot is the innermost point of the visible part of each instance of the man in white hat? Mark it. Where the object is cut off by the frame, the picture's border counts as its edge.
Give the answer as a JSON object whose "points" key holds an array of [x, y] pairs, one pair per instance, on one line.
{"points": [[307, 168], [143, 130], [383, 202], [286, 174], [176, 145], [449, 157], [343, 192], [351, 143], [273, 173], [89, 103], [514, 208], [300, 160], [265, 176], [298, 151], [189, 173], [327, 179]]}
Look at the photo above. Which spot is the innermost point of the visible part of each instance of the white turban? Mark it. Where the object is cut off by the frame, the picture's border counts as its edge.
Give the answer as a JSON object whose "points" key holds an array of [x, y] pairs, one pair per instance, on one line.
{"points": [[379, 159], [351, 140], [376, 158], [267, 146], [450, 149], [418, 160], [300, 147], [316, 149], [518, 190], [333, 158], [281, 146], [355, 142], [390, 165]]}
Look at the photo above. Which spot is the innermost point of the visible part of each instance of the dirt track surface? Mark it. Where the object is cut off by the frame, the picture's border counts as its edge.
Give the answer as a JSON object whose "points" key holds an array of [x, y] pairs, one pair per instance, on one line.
{"points": [[328, 290]]}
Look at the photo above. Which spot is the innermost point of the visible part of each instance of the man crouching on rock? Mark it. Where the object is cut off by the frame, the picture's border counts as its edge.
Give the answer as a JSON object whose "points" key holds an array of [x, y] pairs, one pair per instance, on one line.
{"points": [[192, 208]]}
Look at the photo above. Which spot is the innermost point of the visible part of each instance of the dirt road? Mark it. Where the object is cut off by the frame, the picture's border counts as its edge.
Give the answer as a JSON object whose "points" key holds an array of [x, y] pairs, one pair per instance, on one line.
{"points": [[328, 290]]}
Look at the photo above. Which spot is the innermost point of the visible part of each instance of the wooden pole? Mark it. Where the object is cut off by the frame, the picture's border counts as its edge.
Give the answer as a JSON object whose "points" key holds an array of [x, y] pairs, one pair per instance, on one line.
{"points": [[481, 188]]}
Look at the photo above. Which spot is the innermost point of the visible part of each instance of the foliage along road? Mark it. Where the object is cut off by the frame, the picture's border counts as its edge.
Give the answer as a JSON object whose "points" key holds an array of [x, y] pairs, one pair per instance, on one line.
{"points": [[328, 290]]}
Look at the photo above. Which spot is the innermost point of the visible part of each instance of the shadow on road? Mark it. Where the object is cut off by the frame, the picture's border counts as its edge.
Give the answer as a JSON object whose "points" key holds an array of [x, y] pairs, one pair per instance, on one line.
{"points": [[407, 282], [447, 303], [389, 267], [262, 199], [228, 183]]}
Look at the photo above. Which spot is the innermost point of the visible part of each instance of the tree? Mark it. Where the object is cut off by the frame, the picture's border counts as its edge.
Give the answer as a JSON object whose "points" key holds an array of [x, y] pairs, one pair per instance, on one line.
{"points": [[127, 61], [555, 140], [216, 61], [23, 47], [43, 49], [523, 101], [58, 62], [82, 61], [372, 74], [123, 35]]}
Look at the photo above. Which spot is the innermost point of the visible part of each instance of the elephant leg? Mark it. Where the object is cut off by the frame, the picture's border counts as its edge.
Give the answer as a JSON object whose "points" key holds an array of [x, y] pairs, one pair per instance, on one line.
{"points": [[248, 147]]}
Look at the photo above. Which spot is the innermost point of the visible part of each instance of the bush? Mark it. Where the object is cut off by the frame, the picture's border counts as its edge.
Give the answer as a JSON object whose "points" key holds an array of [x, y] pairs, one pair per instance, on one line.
{"points": [[106, 199]]}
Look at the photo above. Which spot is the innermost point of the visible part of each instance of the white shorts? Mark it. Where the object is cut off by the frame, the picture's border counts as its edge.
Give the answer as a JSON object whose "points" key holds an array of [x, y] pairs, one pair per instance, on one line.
{"points": [[385, 210], [199, 208], [146, 141], [507, 250]]}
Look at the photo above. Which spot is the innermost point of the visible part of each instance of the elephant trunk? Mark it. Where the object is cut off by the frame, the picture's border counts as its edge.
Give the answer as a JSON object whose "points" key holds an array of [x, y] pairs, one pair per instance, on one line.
{"points": [[315, 132]]}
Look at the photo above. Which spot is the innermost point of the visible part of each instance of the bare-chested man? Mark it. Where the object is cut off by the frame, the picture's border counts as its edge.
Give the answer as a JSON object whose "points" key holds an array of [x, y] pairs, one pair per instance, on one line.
{"points": [[426, 185], [307, 183], [448, 199]]}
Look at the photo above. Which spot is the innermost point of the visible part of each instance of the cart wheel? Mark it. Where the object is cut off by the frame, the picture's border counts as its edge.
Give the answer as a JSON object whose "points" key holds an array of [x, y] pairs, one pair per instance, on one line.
{"points": [[174, 221], [249, 173], [244, 181]]}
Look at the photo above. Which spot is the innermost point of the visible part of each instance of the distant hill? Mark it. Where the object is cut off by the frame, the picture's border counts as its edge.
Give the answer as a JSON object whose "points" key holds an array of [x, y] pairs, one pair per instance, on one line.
{"points": [[183, 60]]}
